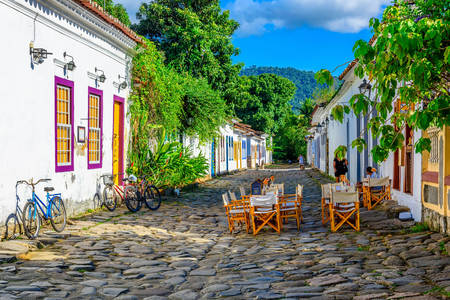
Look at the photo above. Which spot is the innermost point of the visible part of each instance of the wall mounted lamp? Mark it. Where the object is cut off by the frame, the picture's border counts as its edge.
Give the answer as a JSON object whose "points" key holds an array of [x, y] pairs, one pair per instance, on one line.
{"points": [[38, 54], [365, 87], [71, 64], [124, 84], [102, 77]]}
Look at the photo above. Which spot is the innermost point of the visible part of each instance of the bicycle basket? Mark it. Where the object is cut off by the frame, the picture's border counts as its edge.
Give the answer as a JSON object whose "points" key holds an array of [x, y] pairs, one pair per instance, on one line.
{"points": [[108, 180]]}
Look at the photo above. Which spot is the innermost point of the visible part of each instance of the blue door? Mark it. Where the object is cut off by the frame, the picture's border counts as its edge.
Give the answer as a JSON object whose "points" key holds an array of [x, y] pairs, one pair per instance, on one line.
{"points": [[226, 151], [213, 159]]}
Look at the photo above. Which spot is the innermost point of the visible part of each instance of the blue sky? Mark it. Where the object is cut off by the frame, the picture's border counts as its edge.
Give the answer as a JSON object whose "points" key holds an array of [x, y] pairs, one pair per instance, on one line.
{"points": [[304, 34]]}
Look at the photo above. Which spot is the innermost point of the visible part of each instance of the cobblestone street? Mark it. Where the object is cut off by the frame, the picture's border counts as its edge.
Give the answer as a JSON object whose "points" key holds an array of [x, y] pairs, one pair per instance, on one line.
{"points": [[184, 251]]}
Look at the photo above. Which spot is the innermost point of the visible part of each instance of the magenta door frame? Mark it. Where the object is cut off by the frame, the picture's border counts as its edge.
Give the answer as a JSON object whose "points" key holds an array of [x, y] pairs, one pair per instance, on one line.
{"points": [[121, 101]]}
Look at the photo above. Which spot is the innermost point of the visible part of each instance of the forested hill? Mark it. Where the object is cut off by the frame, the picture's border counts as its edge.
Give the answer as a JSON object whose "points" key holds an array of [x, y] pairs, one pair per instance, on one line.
{"points": [[303, 80]]}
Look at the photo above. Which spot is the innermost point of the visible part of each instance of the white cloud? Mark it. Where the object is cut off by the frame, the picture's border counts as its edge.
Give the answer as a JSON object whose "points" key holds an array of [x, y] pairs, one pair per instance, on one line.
{"points": [[334, 15]]}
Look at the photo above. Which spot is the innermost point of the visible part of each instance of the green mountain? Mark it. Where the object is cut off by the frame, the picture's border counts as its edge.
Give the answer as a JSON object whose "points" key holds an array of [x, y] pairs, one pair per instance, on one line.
{"points": [[303, 80]]}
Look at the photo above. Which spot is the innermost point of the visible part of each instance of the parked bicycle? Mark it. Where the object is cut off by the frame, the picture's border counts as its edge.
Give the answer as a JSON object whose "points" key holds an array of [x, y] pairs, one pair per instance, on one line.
{"points": [[142, 192], [54, 211], [152, 196], [13, 221], [113, 192], [109, 202]]}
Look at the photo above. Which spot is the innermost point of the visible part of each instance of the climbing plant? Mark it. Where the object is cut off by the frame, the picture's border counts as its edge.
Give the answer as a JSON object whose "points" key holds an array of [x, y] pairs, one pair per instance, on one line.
{"points": [[408, 62]]}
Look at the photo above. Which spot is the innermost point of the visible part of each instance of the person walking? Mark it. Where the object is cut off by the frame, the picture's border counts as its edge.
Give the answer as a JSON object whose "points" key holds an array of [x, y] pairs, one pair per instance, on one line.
{"points": [[301, 162], [340, 169]]}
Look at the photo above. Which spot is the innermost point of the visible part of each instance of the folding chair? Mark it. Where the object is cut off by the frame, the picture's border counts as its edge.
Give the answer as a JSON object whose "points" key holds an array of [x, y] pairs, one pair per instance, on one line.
{"points": [[265, 211], [299, 192], [326, 198], [365, 191], [237, 211], [379, 189], [279, 186], [244, 196], [290, 206], [343, 207]]}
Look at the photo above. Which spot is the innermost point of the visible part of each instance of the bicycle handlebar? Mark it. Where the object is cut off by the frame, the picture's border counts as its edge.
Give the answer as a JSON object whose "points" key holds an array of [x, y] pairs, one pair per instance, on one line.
{"points": [[33, 183]]}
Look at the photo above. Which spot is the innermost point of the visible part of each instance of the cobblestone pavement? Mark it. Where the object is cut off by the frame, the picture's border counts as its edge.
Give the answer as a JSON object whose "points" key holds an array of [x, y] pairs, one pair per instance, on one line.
{"points": [[184, 251]]}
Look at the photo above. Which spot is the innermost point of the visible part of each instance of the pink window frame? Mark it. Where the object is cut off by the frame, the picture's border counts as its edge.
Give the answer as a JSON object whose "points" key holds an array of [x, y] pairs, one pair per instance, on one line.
{"points": [[68, 84], [99, 93]]}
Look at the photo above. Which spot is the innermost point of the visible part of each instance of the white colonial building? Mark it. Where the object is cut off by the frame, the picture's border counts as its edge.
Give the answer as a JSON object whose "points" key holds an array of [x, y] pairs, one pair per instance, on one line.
{"points": [[403, 167], [65, 82]]}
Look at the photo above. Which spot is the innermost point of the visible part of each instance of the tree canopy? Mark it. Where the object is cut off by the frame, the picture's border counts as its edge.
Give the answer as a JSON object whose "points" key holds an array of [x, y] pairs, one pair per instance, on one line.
{"points": [[304, 81], [195, 37], [408, 62], [263, 101], [116, 10]]}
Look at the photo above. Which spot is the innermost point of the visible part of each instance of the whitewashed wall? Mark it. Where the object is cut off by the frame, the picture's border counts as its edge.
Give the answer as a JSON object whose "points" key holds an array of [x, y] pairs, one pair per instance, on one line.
{"points": [[27, 125]]}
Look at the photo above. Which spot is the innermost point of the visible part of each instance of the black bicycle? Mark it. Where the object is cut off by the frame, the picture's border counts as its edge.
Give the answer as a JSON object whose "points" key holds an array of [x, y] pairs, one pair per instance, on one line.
{"points": [[137, 192], [13, 224]]}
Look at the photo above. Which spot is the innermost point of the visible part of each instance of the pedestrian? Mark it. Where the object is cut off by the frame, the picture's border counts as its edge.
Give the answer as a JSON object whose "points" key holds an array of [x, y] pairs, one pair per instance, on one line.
{"points": [[371, 172], [340, 169], [301, 162]]}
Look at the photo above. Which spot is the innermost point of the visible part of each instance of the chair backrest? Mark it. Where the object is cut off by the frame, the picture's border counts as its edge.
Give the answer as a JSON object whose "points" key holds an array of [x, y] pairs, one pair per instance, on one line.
{"points": [[299, 190], [242, 191], [279, 187], [225, 199], [232, 196], [326, 190], [263, 201], [344, 197], [365, 181], [379, 181]]}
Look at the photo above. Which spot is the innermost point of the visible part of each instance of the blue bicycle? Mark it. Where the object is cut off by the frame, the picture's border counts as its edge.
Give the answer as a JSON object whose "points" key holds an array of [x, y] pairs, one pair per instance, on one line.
{"points": [[54, 211]]}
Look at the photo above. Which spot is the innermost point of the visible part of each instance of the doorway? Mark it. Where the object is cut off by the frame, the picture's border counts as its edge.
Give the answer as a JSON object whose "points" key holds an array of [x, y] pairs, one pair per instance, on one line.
{"points": [[117, 145]]}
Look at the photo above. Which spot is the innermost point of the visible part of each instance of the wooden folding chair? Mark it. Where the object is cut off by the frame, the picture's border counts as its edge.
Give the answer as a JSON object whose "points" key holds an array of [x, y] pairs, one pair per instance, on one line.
{"points": [[379, 189], [279, 186], [326, 198], [264, 211], [365, 191], [244, 196], [299, 192], [343, 207], [290, 206], [237, 211]]}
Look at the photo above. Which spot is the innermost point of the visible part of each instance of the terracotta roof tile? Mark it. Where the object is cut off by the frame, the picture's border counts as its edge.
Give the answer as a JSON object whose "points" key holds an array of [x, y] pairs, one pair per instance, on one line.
{"points": [[93, 7], [353, 63]]}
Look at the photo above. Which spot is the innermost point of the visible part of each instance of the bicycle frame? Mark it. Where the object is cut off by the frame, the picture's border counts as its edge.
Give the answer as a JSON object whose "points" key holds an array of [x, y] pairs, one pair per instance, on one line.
{"points": [[41, 205]]}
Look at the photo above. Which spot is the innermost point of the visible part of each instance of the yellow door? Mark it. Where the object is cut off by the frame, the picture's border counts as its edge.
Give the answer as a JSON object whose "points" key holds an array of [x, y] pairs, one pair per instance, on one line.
{"points": [[116, 142]]}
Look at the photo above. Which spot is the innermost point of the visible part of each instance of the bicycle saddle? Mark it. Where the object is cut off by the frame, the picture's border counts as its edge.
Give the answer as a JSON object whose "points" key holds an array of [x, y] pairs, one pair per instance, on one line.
{"points": [[132, 178], [48, 189]]}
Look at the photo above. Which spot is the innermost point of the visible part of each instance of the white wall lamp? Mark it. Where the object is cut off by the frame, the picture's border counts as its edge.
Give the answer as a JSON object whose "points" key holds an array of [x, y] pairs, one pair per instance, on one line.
{"points": [[102, 77], [38, 54], [71, 64]]}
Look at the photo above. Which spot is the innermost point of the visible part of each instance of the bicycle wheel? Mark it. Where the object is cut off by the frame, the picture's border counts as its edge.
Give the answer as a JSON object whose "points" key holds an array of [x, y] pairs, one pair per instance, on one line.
{"points": [[58, 217], [152, 197], [97, 201], [31, 220], [132, 200], [12, 227], [109, 198]]}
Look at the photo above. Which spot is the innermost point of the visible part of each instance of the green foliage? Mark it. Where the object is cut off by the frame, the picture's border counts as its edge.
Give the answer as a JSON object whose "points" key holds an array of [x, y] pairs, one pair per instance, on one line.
{"points": [[263, 101], [116, 10], [169, 164], [290, 141], [340, 152], [195, 37], [419, 227], [163, 98], [412, 47], [303, 80]]}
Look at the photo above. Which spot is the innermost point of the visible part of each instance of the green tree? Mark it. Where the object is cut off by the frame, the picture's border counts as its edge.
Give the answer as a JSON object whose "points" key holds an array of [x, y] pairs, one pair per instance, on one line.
{"points": [[195, 36], [263, 101], [116, 10], [409, 59]]}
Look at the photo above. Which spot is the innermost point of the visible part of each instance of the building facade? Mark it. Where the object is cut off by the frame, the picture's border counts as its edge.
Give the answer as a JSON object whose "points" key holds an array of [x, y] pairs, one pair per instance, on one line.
{"points": [[66, 83]]}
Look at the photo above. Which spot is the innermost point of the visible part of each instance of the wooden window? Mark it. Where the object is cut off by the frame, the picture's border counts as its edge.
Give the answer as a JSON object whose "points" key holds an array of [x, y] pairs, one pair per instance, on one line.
{"points": [[63, 125], [95, 128]]}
